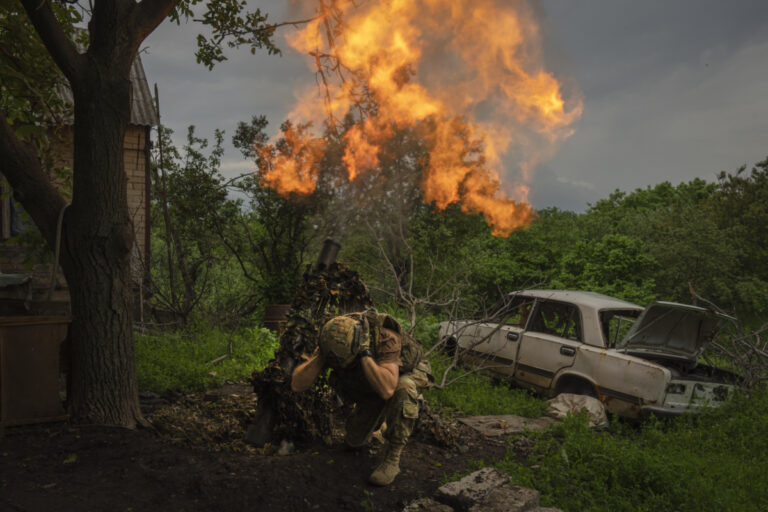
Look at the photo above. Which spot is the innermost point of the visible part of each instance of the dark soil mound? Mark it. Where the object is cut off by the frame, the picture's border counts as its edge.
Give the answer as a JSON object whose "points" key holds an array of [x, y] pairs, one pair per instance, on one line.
{"points": [[195, 459]]}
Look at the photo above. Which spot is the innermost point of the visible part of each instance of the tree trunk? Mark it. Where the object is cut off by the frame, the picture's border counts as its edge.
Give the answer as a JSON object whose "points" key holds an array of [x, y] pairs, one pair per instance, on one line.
{"points": [[97, 235], [98, 238]]}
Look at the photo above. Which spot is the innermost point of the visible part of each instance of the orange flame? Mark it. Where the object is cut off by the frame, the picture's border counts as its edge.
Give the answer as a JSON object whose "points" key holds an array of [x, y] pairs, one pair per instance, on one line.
{"points": [[438, 60], [292, 167], [361, 153]]}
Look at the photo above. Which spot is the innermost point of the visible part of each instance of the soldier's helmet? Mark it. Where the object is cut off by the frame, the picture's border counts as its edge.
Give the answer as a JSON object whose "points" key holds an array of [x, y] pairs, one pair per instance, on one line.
{"points": [[340, 341]]}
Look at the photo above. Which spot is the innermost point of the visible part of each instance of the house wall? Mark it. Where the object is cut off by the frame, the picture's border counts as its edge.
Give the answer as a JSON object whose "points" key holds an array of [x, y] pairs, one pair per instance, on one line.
{"points": [[135, 158], [12, 257]]}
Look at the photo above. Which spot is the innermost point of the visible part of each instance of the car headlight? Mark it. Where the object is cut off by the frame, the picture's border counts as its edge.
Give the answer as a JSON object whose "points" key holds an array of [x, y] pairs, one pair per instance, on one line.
{"points": [[676, 389]]}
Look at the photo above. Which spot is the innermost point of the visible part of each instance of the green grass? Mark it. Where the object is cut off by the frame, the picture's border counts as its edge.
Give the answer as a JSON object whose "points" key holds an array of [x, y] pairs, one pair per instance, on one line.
{"points": [[179, 360], [471, 393], [715, 461], [479, 393]]}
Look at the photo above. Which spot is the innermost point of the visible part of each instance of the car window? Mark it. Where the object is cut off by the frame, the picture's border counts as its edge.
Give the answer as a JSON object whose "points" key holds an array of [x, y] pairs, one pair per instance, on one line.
{"points": [[519, 309], [558, 318], [616, 325]]}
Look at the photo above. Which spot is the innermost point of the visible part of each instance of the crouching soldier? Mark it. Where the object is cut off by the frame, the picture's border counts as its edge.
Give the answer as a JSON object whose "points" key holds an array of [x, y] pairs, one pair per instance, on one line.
{"points": [[379, 368]]}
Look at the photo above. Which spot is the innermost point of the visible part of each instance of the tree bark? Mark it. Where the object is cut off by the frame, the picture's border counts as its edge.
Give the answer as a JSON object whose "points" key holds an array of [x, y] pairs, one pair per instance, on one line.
{"points": [[98, 238]]}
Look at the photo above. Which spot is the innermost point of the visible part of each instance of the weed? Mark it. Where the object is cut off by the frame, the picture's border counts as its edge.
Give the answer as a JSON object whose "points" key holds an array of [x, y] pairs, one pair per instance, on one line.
{"points": [[367, 502]]}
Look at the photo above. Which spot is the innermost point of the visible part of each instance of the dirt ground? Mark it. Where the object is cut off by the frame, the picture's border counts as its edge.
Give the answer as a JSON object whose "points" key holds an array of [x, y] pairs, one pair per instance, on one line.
{"points": [[195, 459]]}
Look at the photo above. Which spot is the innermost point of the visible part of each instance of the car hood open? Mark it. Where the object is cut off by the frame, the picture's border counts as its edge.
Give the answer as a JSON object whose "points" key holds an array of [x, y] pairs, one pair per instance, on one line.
{"points": [[669, 329]]}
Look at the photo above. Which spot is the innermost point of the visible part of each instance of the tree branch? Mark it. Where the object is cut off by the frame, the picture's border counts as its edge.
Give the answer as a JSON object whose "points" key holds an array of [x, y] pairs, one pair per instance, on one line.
{"points": [[149, 14], [31, 186], [63, 52]]}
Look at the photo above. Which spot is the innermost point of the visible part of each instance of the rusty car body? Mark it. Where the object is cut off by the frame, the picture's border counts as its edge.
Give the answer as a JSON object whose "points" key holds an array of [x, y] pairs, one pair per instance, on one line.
{"points": [[636, 360]]}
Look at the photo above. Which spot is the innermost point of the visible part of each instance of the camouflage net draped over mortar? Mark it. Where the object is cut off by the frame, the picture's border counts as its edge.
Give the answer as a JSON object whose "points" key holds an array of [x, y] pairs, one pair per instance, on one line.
{"points": [[322, 296]]}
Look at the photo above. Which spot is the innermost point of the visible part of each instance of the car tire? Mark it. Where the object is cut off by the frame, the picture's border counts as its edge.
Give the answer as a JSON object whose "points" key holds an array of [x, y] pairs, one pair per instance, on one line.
{"points": [[577, 387]]}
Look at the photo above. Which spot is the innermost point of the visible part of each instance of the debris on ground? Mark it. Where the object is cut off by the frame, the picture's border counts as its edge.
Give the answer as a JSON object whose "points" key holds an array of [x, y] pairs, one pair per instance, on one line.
{"points": [[568, 403], [506, 424], [431, 428], [208, 420]]}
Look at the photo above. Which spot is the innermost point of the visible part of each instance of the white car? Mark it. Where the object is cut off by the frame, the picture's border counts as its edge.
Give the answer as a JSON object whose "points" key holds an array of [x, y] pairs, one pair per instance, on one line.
{"points": [[635, 360]]}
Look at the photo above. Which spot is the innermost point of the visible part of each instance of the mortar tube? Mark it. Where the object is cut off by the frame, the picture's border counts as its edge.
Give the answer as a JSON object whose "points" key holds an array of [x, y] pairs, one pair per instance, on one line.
{"points": [[327, 255]]}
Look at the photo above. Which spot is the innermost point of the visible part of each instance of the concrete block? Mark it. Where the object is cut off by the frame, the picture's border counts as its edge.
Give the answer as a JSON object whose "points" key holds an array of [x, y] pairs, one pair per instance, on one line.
{"points": [[508, 498], [471, 489], [427, 505]]}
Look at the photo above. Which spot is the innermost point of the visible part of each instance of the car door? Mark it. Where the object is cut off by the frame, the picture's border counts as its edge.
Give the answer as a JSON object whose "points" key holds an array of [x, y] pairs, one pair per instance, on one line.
{"points": [[549, 344], [495, 344]]}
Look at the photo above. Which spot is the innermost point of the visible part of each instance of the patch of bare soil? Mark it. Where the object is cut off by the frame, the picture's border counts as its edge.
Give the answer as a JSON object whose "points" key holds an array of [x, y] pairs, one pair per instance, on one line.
{"points": [[195, 459]]}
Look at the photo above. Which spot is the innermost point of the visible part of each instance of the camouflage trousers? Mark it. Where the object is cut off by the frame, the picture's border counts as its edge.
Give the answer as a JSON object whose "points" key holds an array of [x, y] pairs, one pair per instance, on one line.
{"points": [[400, 412]]}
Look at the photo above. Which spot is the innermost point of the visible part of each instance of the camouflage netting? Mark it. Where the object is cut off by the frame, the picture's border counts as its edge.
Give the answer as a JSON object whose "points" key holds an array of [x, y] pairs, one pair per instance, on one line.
{"points": [[283, 414], [433, 429]]}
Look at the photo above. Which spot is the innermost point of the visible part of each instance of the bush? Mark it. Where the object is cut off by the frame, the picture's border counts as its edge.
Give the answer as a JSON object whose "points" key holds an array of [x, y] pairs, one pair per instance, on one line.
{"points": [[714, 461], [180, 360]]}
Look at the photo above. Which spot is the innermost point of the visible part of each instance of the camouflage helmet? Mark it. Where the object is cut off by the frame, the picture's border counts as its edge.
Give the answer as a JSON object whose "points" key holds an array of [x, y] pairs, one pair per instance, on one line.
{"points": [[340, 341]]}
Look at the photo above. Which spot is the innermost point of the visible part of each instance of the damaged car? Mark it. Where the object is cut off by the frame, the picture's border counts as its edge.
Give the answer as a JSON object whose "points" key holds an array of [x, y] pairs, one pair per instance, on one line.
{"points": [[636, 360]]}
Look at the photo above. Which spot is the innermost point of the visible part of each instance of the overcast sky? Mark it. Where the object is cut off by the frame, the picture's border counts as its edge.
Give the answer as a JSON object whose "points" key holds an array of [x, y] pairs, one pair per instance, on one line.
{"points": [[672, 91]]}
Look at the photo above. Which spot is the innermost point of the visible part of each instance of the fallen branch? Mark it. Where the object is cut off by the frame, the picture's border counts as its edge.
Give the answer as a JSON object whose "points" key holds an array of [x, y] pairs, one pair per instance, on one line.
{"points": [[217, 360]]}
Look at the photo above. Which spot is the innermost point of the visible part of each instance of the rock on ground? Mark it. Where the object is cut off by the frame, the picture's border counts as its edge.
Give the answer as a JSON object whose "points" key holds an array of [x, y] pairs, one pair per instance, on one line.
{"points": [[485, 490], [508, 499], [471, 489], [427, 505]]}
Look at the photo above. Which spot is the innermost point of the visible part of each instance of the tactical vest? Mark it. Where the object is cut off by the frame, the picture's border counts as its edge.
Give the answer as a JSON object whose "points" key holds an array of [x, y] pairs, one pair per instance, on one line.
{"points": [[411, 351]]}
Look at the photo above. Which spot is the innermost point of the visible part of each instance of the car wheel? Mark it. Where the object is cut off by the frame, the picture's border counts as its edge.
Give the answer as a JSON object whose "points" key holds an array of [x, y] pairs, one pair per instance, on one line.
{"points": [[577, 387]]}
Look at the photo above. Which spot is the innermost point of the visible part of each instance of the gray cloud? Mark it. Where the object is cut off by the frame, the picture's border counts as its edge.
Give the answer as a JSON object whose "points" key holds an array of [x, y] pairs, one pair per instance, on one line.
{"points": [[673, 91], [690, 121], [559, 191]]}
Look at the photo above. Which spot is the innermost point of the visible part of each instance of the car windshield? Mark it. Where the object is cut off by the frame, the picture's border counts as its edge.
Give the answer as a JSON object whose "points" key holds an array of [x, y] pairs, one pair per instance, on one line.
{"points": [[616, 324]]}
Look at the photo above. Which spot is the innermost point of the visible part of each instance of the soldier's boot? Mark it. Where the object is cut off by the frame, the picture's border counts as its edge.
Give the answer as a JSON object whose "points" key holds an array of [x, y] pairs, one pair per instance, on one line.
{"points": [[389, 468]]}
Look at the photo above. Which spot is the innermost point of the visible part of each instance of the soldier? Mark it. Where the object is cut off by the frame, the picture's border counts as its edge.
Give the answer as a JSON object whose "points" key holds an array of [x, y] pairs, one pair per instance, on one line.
{"points": [[381, 370]]}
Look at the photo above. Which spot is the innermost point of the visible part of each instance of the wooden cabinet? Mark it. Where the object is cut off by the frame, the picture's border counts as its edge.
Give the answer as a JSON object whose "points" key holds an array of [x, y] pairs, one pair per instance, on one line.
{"points": [[30, 349]]}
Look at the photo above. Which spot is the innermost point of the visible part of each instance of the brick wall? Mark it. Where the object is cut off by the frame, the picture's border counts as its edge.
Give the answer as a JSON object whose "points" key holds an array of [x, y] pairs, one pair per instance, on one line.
{"points": [[135, 147], [135, 158]]}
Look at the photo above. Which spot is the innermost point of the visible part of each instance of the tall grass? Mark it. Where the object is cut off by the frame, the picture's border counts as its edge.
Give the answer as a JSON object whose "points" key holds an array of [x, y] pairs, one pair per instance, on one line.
{"points": [[470, 392], [182, 360], [477, 393], [715, 461]]}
